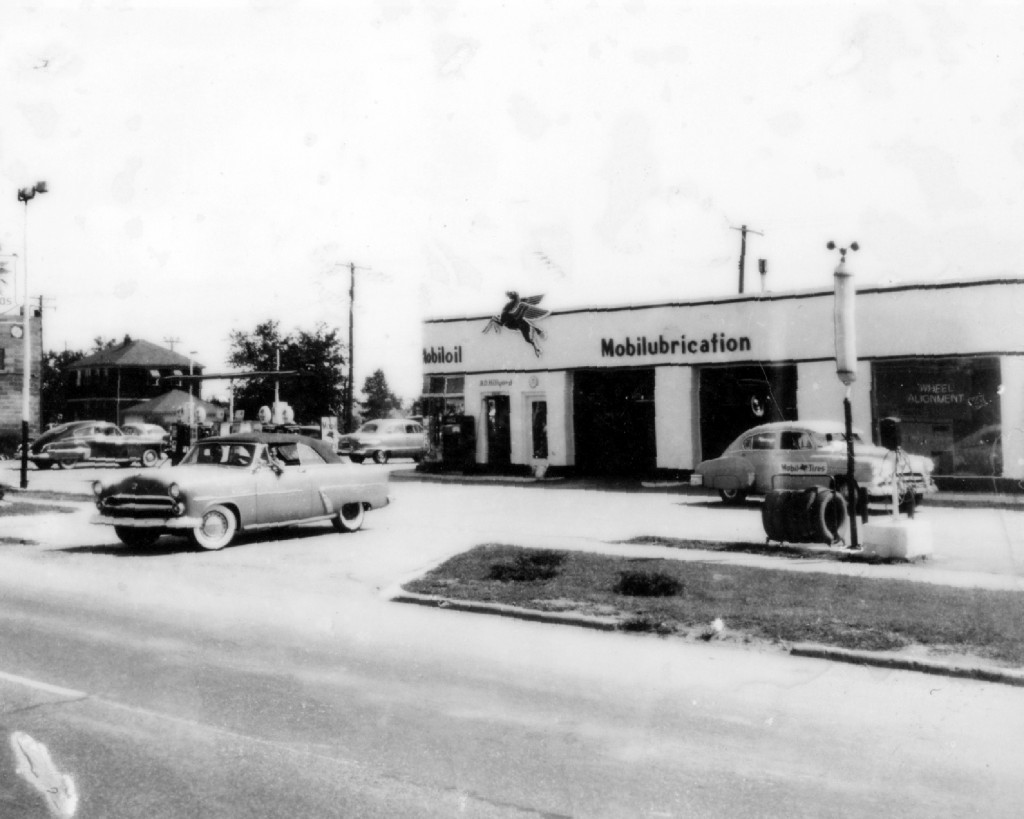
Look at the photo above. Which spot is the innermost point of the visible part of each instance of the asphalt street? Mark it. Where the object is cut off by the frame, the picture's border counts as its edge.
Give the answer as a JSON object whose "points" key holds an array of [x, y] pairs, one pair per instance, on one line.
{"points": [[276, 678]]}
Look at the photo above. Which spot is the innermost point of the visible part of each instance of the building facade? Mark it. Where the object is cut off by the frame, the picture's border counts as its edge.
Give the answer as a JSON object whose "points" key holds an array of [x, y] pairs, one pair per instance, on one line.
{"points": [[646, 388]]}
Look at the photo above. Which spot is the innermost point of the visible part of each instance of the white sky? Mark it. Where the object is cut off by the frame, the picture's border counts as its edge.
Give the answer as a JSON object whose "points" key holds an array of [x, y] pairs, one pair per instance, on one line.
{"points": [[215, 164]]}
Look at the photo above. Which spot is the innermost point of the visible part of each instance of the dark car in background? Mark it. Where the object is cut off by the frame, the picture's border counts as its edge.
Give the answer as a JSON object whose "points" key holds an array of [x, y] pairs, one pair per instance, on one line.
{"points": [[385, 438], [92, 442]]}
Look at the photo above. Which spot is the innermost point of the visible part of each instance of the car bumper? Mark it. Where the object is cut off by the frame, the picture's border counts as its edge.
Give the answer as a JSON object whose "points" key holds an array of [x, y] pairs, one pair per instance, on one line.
{"points": [[146, 523]]}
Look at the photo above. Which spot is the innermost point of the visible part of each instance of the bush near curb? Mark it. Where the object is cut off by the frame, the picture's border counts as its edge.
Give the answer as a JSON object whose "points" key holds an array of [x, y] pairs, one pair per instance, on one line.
{"points": [[647, 584], [529, 568]]}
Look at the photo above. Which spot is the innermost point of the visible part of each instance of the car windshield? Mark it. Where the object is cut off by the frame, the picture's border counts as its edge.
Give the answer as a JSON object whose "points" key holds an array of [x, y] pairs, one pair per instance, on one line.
{"points": [[221, 453]]}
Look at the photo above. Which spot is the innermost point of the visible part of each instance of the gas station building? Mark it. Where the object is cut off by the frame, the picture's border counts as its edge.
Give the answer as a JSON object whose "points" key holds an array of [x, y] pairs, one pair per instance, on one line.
{"points": [[656, 388]]}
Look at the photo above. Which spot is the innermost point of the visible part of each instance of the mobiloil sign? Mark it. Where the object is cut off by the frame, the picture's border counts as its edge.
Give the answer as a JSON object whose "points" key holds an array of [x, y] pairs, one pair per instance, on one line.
{"points": [[642, 345], [442, 355]]}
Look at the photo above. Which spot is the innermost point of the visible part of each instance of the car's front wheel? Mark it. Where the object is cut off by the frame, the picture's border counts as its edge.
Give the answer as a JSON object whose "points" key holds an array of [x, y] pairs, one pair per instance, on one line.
{"points": [[138, 538], [216, 530], [380, 457], [150, 457], [732, 496], [350, 518]]}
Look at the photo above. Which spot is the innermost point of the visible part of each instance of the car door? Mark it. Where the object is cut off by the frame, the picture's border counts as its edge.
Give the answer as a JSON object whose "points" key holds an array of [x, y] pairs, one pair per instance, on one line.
{"points": [[798, 461], [284, 493], [761, 449]]}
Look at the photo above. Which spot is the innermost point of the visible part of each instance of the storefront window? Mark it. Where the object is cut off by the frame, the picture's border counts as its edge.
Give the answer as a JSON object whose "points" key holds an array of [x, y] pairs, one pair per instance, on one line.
{"points": [[948, 410]]}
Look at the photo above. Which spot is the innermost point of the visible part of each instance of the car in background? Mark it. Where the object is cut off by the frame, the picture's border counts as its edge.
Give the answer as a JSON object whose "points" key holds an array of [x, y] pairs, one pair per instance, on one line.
{"points": [[153, 433], [100, 442], [799, 454], [384, 439], [239, 483]]}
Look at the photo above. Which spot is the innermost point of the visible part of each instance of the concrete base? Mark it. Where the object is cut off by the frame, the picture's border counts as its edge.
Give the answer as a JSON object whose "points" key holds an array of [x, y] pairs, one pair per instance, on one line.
{"points": [[906, 538]]}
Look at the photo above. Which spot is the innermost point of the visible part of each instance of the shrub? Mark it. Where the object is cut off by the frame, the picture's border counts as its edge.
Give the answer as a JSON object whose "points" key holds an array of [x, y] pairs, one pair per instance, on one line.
{"points": [[647, 584], [528, 568]]}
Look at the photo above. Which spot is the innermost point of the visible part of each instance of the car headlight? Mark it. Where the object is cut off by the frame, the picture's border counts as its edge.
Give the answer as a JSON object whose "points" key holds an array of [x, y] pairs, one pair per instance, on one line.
{"points": [[97, 488], [174, 490]]}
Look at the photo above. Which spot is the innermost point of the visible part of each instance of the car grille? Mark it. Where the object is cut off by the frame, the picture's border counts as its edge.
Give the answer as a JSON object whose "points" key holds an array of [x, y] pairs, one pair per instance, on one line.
{"points": [[137, 506]]}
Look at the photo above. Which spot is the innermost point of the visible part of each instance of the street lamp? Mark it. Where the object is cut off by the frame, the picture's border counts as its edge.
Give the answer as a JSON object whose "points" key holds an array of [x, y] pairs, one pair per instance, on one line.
{"points": [[25, 195], [846, 368]]}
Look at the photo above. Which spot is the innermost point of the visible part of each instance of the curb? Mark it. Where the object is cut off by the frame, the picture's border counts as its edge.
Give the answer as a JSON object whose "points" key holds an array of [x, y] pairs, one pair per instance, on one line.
{"points": [[818, 652], [878, 660], [531, 615]]}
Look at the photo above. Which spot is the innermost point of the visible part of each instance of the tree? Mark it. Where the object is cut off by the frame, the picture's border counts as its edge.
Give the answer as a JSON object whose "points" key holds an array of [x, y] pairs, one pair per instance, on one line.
{"points": [[380, 401], [55, 383], [319, 357]]}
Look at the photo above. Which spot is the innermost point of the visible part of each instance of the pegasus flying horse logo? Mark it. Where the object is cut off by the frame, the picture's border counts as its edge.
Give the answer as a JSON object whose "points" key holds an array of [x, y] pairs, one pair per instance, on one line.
{"points": [[522, 315]]}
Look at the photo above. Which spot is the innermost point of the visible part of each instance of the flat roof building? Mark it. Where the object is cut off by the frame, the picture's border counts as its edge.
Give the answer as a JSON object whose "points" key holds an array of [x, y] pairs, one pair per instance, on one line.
{"points": [[639, 389]]}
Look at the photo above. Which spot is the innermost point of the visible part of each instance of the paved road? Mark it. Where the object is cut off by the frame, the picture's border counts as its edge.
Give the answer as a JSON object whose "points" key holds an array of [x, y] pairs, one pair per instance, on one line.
{"points": [[274, 678]]}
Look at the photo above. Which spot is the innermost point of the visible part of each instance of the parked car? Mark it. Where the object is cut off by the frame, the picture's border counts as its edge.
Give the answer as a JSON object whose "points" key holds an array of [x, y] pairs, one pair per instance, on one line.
{"points": [[91, 441], [240, 483], [798, 454], [153, 433], [384, 439]]}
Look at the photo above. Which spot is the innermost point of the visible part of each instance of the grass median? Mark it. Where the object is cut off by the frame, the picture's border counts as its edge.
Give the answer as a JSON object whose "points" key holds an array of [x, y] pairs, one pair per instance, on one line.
{"points": [[706, 600]]}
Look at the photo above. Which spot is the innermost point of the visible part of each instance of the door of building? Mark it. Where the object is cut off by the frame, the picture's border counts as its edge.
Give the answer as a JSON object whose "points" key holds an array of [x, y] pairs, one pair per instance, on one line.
{"points": [[499, 430]]}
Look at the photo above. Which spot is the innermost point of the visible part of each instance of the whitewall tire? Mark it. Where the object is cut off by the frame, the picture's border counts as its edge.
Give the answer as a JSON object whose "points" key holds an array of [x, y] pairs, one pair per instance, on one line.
{"points": [[350, 518], [216, 530]]}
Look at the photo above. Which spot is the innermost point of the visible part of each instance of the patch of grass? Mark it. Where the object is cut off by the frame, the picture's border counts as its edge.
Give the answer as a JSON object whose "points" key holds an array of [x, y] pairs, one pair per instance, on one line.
{"points": [[763, 604]]}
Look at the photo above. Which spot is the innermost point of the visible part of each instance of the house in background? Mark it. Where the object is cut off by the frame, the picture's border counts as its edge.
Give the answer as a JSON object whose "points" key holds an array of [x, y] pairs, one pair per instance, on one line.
{"points": [[167, 409], [108, 382]]}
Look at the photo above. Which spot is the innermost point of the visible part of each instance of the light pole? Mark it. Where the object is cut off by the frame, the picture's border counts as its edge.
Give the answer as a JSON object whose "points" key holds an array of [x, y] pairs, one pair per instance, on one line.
{"points": [[25, 195], [846, 369]]}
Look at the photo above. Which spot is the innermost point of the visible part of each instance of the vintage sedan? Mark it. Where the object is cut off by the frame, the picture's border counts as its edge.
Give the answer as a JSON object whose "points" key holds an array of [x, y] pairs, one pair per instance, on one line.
{"points": [[384, 439], [240, 483], [98, 442], [799, 454]]}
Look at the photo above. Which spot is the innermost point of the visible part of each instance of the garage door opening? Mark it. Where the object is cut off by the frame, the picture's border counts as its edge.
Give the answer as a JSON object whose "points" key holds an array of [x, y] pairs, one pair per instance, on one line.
{"points": [[613, 418], [734, 399]]}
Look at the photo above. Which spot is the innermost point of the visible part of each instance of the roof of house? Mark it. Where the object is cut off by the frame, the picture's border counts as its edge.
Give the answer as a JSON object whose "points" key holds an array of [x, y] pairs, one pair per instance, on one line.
{"points": [[138, 353], [169, 402]]}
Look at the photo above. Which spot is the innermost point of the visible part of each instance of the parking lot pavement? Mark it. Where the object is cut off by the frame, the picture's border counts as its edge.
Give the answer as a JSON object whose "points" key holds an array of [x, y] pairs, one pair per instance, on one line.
{"points": [[978, 544]]}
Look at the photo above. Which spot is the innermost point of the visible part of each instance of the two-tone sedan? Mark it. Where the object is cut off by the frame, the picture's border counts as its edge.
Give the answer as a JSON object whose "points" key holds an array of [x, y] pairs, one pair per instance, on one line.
{"points": [[240, 483], [800, 454]]}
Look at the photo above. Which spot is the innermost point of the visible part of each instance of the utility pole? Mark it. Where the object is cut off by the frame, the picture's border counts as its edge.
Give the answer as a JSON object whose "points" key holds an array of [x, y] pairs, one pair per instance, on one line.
{"points": [[351, 349], [744, 230], [171, 341]]}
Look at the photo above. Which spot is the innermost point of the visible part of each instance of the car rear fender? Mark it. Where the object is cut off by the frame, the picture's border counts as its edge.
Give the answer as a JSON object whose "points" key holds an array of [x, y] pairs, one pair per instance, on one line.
{"points": [[728, 472]]}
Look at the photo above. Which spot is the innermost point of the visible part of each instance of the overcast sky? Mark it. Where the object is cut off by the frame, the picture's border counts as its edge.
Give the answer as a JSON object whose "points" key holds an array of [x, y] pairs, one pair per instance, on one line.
{"points": [[214, 164]]}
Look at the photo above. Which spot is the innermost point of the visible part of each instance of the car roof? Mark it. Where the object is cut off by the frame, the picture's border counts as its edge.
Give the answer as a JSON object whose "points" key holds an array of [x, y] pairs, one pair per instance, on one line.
{"points": [[821, 426], [325, 448]]}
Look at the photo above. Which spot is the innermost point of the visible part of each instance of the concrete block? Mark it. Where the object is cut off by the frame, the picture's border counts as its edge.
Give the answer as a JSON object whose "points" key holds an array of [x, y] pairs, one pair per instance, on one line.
{"points": [[906, 538]]}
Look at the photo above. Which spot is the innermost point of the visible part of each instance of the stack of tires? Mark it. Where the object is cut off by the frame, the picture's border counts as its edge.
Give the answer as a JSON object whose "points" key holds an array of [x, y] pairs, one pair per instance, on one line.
{"points": [[813, 515]]}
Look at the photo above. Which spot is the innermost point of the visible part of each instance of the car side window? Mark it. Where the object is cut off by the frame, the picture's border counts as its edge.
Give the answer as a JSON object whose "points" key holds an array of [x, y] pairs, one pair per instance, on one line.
{"points": [[286, 454], [307, 455], [794, 439], [764, 440]]}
